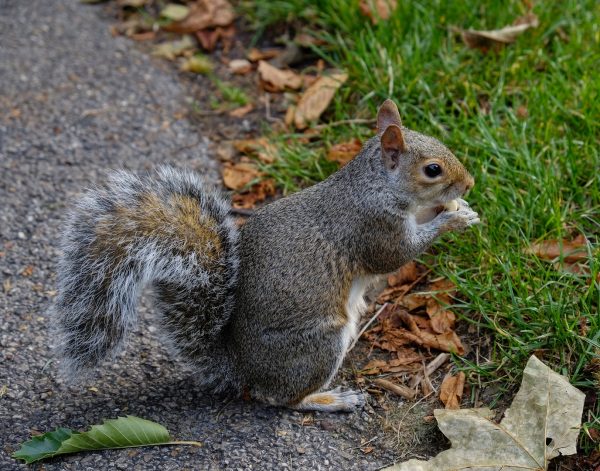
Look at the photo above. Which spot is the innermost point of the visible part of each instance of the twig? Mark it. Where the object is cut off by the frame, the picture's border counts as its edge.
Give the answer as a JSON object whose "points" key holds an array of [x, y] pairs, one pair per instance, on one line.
{"points": [[366, 326], [362, 444], [430, 368], [267, 101], [397, 389], [345, 121]]}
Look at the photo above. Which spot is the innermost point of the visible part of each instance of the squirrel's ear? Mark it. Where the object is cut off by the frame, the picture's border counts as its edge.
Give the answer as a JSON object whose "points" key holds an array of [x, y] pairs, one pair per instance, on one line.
{"points": [[392, 145], [387, 115]]}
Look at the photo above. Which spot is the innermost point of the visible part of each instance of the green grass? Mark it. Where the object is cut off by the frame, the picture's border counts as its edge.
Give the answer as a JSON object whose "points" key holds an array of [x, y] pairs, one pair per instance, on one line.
{"points": [[537, 177]]}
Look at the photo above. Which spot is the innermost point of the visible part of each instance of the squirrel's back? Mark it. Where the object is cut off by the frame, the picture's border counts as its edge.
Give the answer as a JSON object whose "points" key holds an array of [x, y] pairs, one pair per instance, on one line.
{"points": [[169, 231]]}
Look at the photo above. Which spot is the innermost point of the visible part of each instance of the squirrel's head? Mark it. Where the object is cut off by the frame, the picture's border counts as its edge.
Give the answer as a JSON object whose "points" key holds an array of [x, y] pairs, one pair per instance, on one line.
{"points": [[420, 165]]}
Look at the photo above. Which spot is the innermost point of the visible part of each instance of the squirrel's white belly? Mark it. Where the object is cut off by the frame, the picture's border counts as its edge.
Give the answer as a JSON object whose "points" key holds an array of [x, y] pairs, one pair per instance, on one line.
{"points": [[355, 306]]}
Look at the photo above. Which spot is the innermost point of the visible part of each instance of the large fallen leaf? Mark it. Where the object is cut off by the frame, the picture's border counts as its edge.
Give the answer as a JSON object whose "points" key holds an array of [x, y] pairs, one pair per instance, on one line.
{"points": [[316, 98], [278, 80], [486, 40], [124, 432], [542, 423], [203, 14], [344, 152], [377, 10]]}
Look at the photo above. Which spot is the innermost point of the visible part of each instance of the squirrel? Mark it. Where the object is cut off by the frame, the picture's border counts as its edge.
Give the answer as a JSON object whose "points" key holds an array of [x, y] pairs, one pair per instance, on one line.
{"points": [[268, 309]]}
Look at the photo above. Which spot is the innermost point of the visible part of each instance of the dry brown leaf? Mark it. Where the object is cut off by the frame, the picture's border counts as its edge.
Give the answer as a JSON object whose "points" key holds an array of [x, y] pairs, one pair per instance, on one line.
{"points": [[377, 10], [442, 285], [441, 319], [209, 37], [240, 66], [446, 342], [407, 362], [374, 367], [258, 193], [260, 147], [572, 251], [289, 115], [143, 36], [344, 152], [316, 98], [393, 293], [451, 390], [255, 55], [308, 40], [486, 40], [241, 111], [237, 176], [278, 80], [414, 301], [204, 14], [406, 274]]}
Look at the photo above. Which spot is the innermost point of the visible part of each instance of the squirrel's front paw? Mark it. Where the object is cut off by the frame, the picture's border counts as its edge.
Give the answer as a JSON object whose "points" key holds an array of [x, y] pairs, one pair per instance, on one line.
{"points": [[460, 219]]}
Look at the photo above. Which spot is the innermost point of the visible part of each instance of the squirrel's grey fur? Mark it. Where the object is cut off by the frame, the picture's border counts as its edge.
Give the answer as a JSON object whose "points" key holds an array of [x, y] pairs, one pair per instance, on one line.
{"points": [[272, 314]]}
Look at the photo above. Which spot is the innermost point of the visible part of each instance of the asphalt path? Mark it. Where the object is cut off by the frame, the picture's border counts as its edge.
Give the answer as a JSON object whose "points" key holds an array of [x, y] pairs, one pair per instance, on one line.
{"points": [[75, 102]]}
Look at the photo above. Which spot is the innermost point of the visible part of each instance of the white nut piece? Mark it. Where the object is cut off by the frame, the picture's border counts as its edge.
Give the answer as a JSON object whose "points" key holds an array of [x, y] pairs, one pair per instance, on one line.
{"points": [[451, 205]]}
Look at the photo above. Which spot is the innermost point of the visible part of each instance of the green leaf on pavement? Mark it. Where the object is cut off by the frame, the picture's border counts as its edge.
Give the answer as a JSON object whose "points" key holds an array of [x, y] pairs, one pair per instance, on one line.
{"points": [[123, 432]]}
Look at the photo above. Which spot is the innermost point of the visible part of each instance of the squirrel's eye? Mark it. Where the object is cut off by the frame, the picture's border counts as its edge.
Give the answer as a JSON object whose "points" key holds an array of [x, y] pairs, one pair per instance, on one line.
{"points": [[433, 170]]}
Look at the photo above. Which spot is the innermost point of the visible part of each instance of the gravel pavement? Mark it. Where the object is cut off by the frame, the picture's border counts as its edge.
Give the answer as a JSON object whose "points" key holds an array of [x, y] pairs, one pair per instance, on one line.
{"points": [[74, 102]]}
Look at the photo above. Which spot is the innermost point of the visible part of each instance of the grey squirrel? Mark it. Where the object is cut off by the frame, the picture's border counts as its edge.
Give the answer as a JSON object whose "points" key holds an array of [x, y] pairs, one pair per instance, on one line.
{"points": [[269, 309]]}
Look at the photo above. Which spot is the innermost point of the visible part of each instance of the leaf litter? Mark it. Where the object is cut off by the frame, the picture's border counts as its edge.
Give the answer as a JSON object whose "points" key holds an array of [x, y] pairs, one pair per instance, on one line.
{"points": [[411, 326]]}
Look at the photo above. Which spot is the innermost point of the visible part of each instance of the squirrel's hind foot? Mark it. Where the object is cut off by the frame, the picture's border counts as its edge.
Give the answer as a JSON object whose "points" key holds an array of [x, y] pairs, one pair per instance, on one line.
{"points": [[331, 401]]}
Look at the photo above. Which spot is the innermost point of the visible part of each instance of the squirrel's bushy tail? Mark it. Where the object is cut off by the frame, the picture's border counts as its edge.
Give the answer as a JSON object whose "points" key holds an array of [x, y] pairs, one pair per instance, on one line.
{"points": [[168, 231]]}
